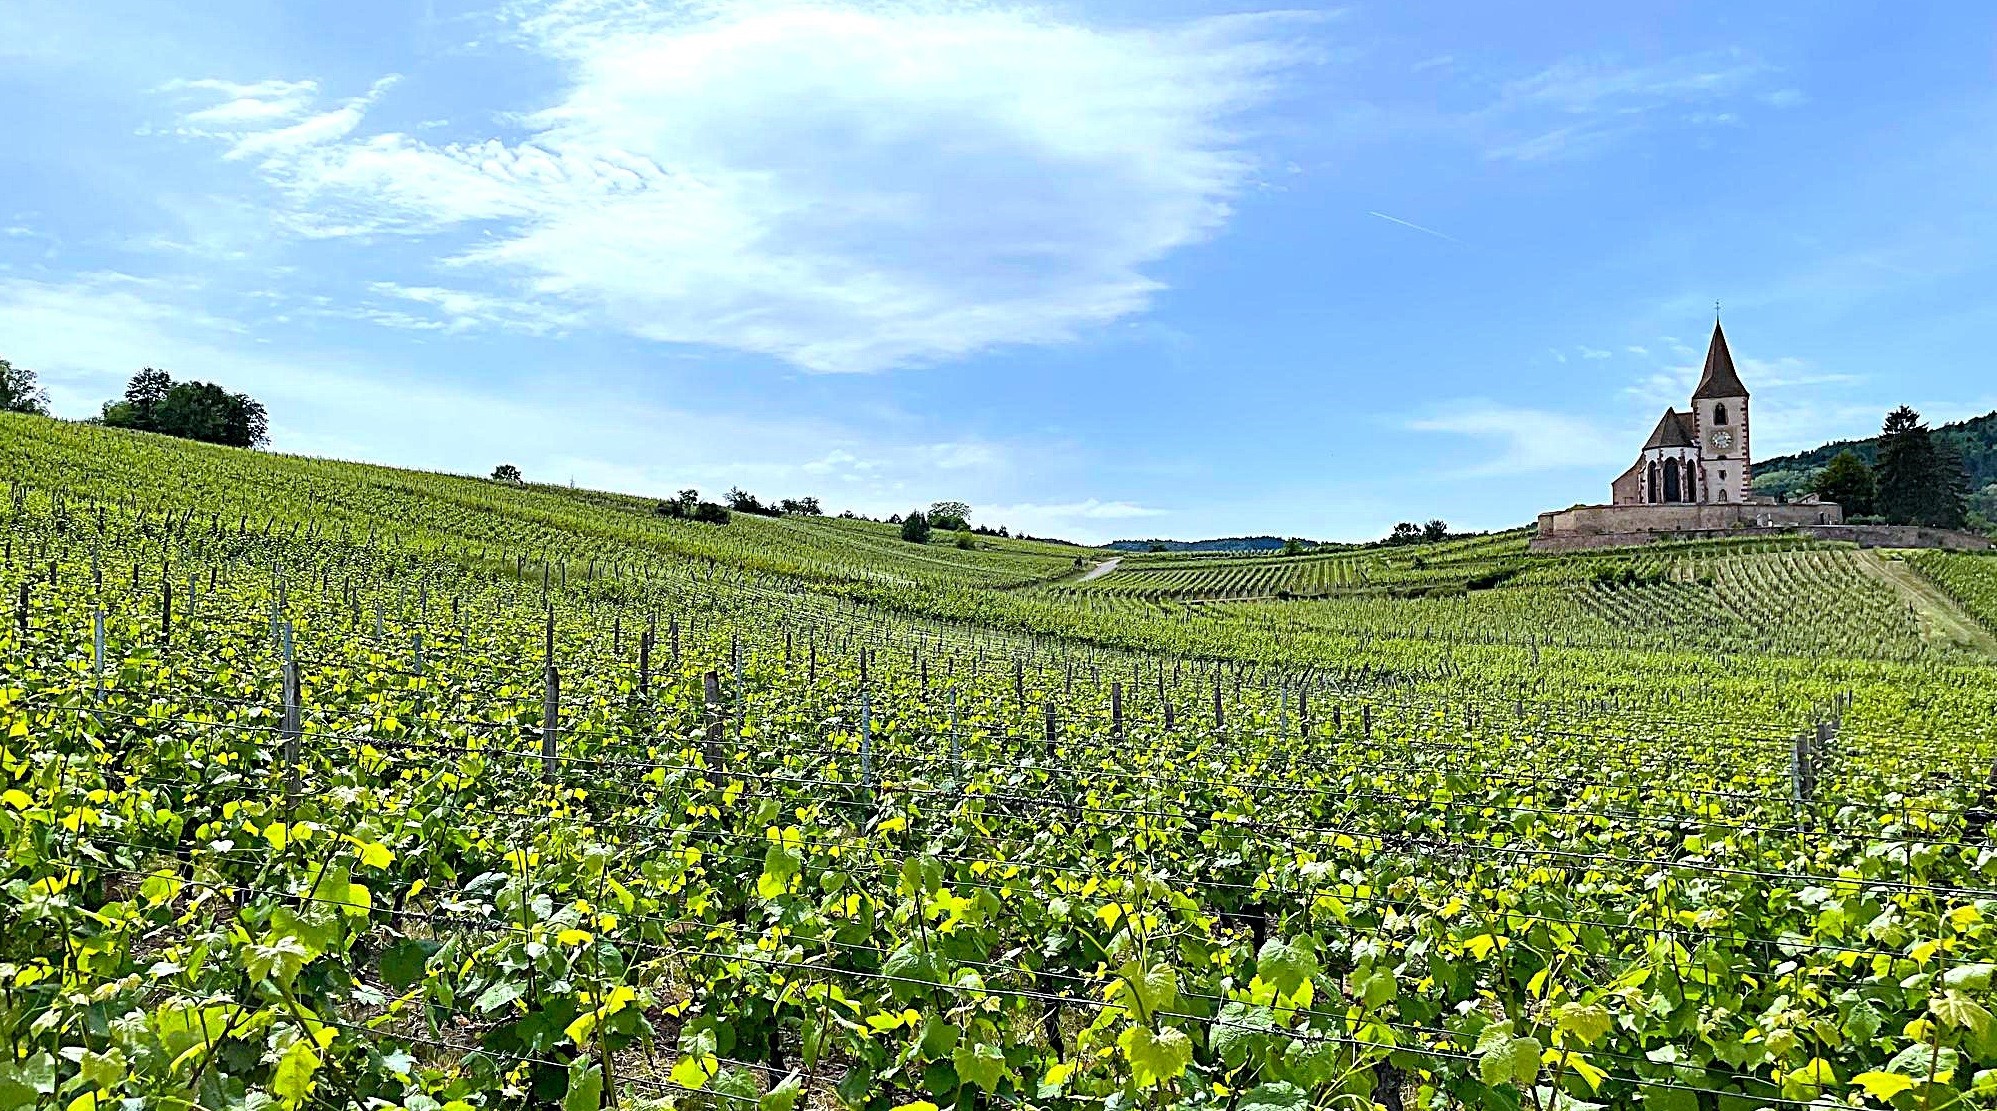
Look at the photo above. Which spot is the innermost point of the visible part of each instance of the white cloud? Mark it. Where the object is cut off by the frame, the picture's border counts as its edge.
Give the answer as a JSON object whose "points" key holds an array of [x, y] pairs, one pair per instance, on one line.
{"points": [[1090, 521], [1524, 440], [1579, 105], [1588, 352], [256, 105], [847, 187], [85, 337], [458, 310]]}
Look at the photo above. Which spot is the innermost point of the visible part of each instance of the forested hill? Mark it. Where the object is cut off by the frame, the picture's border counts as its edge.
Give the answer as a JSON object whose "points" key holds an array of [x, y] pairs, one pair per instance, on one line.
{"points": [[1224, 544], [1974, 439]]}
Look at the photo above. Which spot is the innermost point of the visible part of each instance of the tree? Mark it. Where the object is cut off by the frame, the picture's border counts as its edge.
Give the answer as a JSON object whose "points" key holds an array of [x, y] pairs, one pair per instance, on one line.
{"points": [[1919, 482], [145, 393], [915, 527], [1294, 546], [1436, 529], [952, 515], [507, 472], [1847, 481], [1406, 532], [19, 392], [154, 402], [800, 507]]}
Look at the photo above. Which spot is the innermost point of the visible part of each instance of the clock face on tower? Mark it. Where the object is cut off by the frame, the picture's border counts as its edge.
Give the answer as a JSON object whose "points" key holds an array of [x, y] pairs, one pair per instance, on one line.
{"points": [[1722, 439]]}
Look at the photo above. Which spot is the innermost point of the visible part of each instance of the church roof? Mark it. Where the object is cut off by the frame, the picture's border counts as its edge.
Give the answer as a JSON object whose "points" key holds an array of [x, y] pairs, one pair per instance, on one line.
{"points": [[1670, 431], [1719, 379]]}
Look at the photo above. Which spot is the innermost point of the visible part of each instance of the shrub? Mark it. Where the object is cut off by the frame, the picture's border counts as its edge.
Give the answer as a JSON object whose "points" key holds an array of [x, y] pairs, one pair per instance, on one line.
{"points": [[915, 527]]}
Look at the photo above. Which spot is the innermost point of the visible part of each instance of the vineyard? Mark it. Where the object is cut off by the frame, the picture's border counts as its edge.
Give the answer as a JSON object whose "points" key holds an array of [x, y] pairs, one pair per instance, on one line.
{"points": [[333, 786]]}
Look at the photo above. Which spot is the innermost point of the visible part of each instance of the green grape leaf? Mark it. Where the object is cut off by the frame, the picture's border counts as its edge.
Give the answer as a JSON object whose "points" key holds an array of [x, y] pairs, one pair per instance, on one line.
{"points": [[1155, 1058], [939, 1038], [499, 995], [1376, 987], [738, 1082], [103, 1069], [913, 969], [1669, 1099], [405, 962], [979, 1064], [1241, 1029], [1862, 1023], [280, 960], [1274, 1096], [1957, 1009], [783, 1097], [1969, 977], [1586, 1021], [780, 863], [693, 1073], [1286, 964], [1505, 1058], [1146, 991], [21, 1082], [292, 1079], [1883, 1085], [585, 1087], [1919, 1060]]}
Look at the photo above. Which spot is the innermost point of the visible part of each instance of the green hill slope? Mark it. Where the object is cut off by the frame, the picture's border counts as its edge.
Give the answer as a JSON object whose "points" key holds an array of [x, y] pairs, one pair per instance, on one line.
{"points": [[1407, 609], [1975, 440]]}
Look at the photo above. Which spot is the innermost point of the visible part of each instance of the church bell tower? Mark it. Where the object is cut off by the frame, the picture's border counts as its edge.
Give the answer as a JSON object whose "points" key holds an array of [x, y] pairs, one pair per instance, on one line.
{"points": [[1719, 408]]}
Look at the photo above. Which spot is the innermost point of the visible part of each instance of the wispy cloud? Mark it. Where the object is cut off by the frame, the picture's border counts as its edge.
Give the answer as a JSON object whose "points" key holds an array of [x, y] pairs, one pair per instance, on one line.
{"points": [[1089, 521], [84, 336], [1415, 226], [1523, 440], [846, 187], [1578, 106]]}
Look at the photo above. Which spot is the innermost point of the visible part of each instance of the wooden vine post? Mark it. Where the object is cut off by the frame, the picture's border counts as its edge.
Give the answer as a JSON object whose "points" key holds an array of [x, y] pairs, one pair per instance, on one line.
{"points": [[551, 700]]}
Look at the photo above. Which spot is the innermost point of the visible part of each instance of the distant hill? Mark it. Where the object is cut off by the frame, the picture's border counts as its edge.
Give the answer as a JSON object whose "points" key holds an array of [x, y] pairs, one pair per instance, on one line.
{"points": [[1974, 439], [1224, 544]]}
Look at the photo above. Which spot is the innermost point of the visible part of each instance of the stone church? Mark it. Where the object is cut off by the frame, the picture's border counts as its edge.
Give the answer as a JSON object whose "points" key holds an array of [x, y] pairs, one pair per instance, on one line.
{"points": [[1690, 480], [1699, 456]]}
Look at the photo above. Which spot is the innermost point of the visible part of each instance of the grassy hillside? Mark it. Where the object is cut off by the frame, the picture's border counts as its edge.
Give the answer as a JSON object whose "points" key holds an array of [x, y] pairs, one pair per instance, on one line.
{"points": [[325, 785], [1398, 608]]}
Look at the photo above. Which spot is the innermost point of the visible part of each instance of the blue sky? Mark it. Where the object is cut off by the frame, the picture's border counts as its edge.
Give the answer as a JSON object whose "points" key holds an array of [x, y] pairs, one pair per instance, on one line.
{"points": [[1101, 269]]}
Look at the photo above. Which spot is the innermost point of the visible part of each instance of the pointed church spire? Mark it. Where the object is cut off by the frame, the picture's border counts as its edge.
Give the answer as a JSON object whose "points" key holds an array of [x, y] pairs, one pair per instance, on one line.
{"points": [[1719, 378]]}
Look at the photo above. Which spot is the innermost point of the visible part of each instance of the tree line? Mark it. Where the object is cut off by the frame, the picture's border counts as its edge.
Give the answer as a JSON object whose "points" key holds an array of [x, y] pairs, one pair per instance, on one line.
{"points": [[1918, 479], [154, 402]]}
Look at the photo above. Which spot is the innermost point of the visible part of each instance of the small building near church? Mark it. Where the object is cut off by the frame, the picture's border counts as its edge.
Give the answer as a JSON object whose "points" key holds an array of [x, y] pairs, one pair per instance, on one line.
{"points": [[1690, 479]]}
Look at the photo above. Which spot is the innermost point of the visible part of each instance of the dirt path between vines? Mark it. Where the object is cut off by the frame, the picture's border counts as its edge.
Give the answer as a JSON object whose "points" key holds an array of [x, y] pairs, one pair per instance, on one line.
{"points": [[1101, 569], [1936, 609]]}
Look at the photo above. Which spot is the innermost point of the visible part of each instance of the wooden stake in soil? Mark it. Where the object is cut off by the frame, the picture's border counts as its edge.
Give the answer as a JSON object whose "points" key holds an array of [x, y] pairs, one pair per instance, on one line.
{"points": [[551, 699]]}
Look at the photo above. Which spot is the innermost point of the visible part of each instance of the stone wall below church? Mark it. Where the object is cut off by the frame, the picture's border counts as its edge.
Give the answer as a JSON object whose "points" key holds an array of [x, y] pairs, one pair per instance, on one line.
{"points": [[1677, 520], [1609, 526]]}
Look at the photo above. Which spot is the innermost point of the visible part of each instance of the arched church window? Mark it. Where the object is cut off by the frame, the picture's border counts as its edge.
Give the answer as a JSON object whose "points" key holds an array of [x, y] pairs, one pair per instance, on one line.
{"points": [[1691, 483], [1650, 491], [1720, 413], [1672, 490]]}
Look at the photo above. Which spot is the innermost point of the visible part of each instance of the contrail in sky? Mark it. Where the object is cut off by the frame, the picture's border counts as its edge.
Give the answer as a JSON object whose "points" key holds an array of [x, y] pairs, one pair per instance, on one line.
{"points": [[1411, 224]]}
